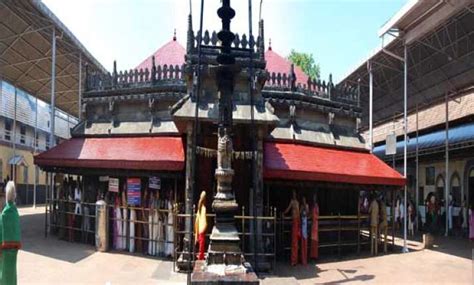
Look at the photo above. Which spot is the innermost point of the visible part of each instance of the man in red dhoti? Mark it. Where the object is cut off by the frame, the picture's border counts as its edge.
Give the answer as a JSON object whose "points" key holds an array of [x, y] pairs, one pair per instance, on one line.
{"points": [[304, 231], [314, 229], [295, 229]]}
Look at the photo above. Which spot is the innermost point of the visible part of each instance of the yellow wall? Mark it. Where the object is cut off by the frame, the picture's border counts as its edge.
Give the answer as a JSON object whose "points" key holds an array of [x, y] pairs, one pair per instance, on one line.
{"points": [[6, 153]]}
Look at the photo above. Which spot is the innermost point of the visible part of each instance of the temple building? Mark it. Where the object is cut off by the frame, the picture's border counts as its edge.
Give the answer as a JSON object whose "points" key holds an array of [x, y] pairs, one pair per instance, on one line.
{"points": [[150, 133]]}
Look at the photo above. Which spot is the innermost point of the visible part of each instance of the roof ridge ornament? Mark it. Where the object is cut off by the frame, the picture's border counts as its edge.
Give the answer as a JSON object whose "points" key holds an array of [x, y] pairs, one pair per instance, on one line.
{"points": [[270, 44], [174, 35]]}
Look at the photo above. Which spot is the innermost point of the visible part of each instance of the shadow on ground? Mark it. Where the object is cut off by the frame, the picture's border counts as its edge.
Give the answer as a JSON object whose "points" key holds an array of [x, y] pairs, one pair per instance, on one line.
{"points": [[34, 241]]}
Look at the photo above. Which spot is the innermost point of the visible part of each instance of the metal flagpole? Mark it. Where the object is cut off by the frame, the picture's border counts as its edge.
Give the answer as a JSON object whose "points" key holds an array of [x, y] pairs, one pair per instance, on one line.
{"points": [[79, 88], [34, 151], [254, 145], [371, 99], [446, 179], [53, 86], [13, 166], [194, 144], [405, 126], [417, 195]]}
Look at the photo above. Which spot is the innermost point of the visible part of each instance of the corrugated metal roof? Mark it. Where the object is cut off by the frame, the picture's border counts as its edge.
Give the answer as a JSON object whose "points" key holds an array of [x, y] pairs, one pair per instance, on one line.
{"points": [[459, 134]]}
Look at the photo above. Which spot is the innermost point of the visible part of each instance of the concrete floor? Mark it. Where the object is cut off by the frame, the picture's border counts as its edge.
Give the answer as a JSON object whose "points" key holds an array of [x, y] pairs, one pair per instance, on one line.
{"points": [[51, 261]]}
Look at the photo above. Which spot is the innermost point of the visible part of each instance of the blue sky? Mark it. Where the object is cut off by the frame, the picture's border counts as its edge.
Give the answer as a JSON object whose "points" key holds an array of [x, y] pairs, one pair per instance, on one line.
{"points": [[339, 33]]}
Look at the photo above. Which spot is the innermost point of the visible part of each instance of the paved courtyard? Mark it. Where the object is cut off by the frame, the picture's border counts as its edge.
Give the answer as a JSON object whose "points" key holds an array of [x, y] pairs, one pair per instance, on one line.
{"points": [[51, 261]]}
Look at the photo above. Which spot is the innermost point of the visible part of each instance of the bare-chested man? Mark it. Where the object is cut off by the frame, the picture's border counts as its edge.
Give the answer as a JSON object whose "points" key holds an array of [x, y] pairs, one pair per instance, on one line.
{"points": [[294, 206]]}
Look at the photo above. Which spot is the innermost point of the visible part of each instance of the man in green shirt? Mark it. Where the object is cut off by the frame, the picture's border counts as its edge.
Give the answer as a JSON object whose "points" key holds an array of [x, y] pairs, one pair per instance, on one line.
{"points": [[10, 237]]}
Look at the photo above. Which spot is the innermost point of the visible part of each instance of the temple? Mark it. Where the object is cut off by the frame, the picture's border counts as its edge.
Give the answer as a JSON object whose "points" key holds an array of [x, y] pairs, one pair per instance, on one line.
{"points": [[248, 142]]}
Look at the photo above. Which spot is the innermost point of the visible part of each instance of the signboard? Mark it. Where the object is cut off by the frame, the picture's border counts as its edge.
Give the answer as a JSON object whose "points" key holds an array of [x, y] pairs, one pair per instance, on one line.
{"points": [[133, 191], [154, 183], [103, 178], [391, 144], [114, 185]]}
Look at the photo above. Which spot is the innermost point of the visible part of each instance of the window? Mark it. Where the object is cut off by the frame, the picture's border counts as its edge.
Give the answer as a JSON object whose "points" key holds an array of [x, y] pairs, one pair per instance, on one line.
{"points": [[440, 188], [456, 189], [430, 176], [36, 139], [22, 134], [8, 129]]}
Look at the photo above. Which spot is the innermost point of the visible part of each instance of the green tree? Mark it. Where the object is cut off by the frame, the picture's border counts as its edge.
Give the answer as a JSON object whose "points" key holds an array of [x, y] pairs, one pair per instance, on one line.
{"points": [[306, 62]]}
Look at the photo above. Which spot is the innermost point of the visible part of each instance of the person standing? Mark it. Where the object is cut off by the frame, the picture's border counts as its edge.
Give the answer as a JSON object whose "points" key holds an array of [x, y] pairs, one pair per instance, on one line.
{"points": [[10, 237], [464, 209], [294, 206], [117, 223], [169, 247], [383, 226], [314, 229], [374, 222], [450, 213], [411, 219], [124, 217], [304, 231], [200, 226], [471, 223]]}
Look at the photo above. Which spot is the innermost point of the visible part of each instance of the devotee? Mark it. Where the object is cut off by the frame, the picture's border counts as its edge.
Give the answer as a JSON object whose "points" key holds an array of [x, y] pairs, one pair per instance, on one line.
{"points": [[464, 216], [471, 223], [411, 219], [433, 213], [133, 217], [295, 229], [402, 215], [383, 226], [124, 217], [397, 213], [169, 248], [200, 226], [118, 231], [10, 237], [62, 210], [145, 212], [304, 231], [374, 221], [152, 225], [71, 208], [450, 213], [314, 229]]}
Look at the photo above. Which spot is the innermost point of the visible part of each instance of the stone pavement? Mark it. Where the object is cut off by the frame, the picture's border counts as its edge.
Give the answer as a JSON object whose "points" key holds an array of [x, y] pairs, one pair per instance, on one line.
{"points": [[51, 261]]}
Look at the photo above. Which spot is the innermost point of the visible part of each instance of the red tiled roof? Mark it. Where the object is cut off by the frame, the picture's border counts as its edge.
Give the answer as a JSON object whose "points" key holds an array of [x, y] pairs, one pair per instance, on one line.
{"points": [[301, 162], [276, 63], [145, 153], [172, 53]]}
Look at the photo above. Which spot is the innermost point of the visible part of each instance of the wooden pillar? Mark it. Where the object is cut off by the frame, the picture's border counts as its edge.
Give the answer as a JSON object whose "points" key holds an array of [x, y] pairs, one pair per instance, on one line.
{"points": [[184, 262]]}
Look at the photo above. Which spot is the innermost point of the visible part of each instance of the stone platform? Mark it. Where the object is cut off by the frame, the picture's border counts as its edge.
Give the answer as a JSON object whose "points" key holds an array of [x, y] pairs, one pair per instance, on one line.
{"points": [[203, 275]]}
